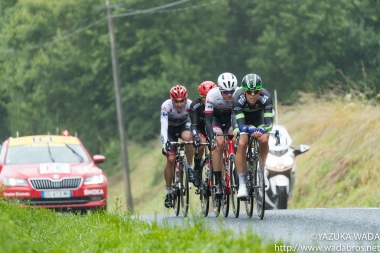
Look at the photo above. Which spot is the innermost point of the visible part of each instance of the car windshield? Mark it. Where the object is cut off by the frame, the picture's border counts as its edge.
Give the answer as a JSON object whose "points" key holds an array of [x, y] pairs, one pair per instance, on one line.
{"points": [[65, 153]]}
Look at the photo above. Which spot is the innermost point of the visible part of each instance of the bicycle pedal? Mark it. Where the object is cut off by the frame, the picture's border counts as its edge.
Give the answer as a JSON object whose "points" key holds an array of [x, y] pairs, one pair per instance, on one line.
{"points": [[197, 191]]}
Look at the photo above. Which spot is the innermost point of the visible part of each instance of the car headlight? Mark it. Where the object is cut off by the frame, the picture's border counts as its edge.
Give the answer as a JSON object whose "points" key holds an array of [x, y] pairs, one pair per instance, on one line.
{"points": [[271, 161], [11, 181], [97, 179], [288, 161]]}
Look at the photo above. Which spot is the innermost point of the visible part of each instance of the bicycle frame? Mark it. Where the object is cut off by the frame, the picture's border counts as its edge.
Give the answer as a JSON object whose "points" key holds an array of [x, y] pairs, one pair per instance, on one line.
{"points": [[229, 149]]}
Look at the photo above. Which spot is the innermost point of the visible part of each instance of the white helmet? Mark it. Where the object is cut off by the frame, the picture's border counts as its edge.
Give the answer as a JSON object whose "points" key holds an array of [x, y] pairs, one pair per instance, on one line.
{"points": [[227, 81]]}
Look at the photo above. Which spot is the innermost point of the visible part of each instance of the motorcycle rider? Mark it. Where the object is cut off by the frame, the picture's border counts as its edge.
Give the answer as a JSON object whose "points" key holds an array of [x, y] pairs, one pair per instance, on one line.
{"points": [[218, 121], [198, 127], [252, 114], [175, 123]]}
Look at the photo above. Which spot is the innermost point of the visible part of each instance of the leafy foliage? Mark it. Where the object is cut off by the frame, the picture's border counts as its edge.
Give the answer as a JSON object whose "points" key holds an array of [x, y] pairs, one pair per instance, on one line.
{"points": [[56, 72]]}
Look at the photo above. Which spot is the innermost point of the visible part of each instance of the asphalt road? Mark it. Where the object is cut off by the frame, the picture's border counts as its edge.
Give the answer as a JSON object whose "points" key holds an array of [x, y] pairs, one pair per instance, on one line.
{"points": [[338, 227]]}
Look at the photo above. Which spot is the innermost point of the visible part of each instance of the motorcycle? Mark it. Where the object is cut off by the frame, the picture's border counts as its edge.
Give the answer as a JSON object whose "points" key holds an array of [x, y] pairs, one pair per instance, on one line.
{"points": [[280, 168]]}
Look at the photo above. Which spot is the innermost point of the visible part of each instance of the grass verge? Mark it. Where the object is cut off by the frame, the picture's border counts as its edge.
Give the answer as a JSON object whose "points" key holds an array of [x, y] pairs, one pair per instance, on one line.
{"points": [[40, 230]]}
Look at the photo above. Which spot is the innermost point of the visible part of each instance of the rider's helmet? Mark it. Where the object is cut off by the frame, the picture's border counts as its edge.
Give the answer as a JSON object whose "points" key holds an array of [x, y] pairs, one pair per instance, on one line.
{"points": [[227, 81], [205, 87], [178, 92], [251, 82]]}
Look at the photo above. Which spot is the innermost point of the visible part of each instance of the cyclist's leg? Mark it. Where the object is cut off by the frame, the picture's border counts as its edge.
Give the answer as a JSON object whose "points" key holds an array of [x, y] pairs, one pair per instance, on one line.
{"points": [[217, 156], [186, 136], [198, 160], [241, 161], [263, 150], [169, 167], [263, 146], [234, 129]]}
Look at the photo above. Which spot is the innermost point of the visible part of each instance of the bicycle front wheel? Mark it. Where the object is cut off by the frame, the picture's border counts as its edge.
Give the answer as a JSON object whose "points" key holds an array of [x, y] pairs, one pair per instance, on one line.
{"points": [[184, 189], [215, 200], [259, 187], [204, 194], [225, 201], [175, 195], [250, 186], [234, 184]]}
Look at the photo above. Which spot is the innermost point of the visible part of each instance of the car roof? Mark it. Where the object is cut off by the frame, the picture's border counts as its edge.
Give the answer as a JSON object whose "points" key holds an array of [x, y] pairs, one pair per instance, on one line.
{"points": [[43, 139]]}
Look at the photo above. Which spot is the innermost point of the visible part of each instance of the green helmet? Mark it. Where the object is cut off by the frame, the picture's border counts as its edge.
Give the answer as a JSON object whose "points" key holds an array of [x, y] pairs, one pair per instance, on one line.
{"points": [[251, 82]]}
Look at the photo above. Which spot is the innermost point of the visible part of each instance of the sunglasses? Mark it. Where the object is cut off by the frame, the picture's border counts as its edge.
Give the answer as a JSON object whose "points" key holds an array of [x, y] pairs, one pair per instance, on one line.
{"points": [[252, 92], [228, 92], [178, 101], [202, 96]]}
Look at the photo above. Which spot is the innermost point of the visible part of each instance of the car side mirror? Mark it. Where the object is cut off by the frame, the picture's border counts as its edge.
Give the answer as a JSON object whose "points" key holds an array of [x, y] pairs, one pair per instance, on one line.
{"points": [[300, 149], [99, 158]]}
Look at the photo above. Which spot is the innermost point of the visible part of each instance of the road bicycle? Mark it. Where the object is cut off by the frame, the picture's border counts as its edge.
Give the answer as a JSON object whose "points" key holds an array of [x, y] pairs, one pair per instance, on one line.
{"points": [[181, 182], [207, 184], [229, 186], [207, 187], [254, 179]]}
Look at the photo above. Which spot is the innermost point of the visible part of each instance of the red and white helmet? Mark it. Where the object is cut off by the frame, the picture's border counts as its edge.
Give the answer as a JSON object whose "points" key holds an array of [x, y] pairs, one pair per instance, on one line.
{"points": [[205, 87], [227, 81], [178, 92]]}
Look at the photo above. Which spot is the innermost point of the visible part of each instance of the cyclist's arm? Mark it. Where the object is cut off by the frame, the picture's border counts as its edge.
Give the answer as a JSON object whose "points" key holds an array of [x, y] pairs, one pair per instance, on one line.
{"points": [[268, 115], [209, 116], [164, 126], [238, 117], [194, 117]]}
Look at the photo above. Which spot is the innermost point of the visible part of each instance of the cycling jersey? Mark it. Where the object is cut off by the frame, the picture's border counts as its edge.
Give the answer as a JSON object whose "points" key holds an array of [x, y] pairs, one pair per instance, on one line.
{"points": [[259, 114], [171, 118], [218, 108], [197, 117]]}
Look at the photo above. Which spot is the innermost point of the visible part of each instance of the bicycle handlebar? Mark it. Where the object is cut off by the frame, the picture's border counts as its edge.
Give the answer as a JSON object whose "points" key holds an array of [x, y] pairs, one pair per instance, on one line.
{"points": [[181, 144], [178, 143]]}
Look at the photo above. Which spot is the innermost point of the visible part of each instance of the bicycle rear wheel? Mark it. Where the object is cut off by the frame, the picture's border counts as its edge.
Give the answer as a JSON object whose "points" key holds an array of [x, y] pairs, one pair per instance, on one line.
{"points": [[204, 195], [234, 184], [216, 203], [259, 187], [185, 188]]}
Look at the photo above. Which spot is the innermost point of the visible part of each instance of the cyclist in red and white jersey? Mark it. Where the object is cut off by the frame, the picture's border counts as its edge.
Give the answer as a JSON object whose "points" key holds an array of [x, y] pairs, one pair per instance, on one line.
{"points": [[198, 126], [218, 121], [175, 123]]}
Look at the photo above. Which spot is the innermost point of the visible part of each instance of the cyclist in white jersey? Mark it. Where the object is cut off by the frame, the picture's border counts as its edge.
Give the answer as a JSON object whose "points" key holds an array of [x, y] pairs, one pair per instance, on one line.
{"points": [[218, 121], [175, 123]]}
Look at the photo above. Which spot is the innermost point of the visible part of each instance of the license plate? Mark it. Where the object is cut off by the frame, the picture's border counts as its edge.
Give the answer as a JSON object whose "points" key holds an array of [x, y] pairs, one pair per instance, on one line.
{"points": [[56, 194]]}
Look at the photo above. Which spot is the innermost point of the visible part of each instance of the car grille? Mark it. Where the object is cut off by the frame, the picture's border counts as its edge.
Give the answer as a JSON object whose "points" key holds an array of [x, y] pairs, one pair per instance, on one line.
{"points": [[66, 183]]}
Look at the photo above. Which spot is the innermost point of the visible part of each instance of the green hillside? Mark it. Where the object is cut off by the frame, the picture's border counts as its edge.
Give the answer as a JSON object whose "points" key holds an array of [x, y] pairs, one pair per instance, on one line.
{"points": [[341, 169]]}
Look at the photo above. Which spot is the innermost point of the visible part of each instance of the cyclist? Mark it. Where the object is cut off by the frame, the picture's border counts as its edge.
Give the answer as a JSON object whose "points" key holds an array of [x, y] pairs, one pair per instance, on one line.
{"points": [[218, 120], [198, 127], [252, 110], [175, 122]]}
